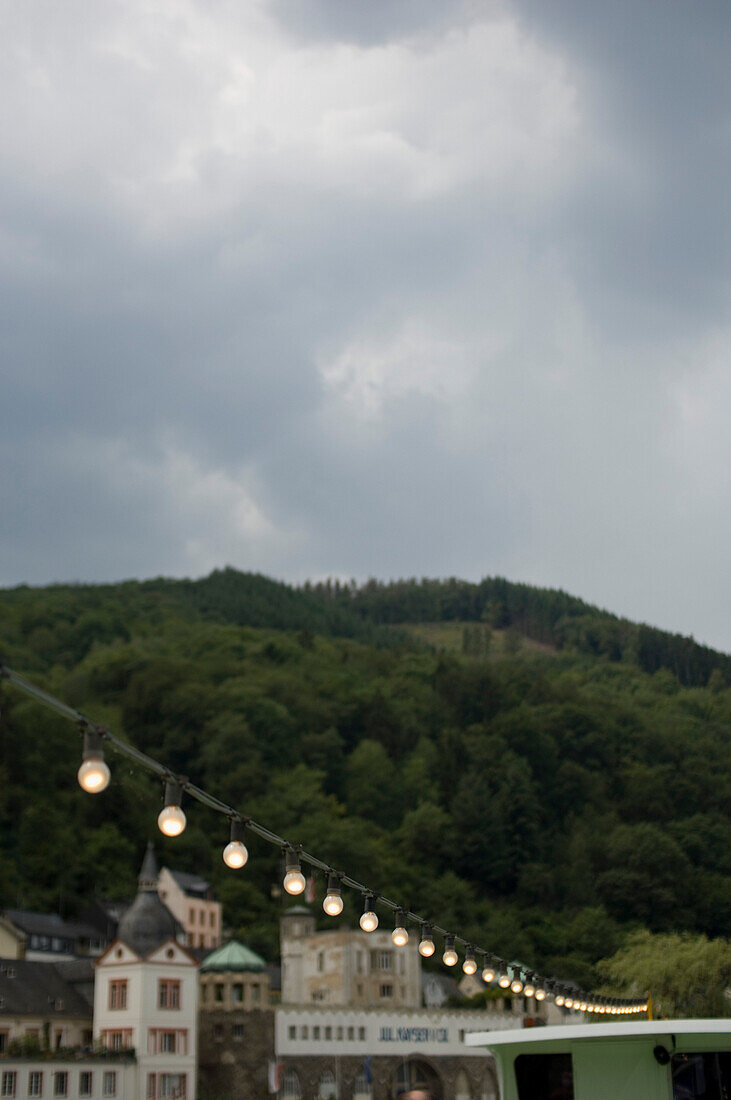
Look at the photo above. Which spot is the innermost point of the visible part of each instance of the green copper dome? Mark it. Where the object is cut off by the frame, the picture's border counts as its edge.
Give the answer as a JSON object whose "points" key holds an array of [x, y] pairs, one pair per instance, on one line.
{"points": [[232, 956]]}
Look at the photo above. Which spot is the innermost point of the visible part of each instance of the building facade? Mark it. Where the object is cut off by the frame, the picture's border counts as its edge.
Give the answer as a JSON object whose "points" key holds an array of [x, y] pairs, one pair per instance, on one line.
{"points": [[88, 1078], [191, 901], [345, 967]]}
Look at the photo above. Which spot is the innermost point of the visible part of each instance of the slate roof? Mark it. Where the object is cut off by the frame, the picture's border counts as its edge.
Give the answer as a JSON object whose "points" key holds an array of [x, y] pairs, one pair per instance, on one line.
{"points": [[50, 924], [148, 922], [191, 884], [233, 956], [39, 989]]}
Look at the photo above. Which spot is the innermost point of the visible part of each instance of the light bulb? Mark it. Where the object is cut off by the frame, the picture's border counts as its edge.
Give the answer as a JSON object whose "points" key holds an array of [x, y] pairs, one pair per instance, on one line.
{"points": [[568, 1002], [559, 1000], [235, 855], [516, 985], [529, 990], [540, 994], [333, 903], [93, 775], [171, 821], [369, 918], [504, 981], [449, 958], [469, 965], [400, 936], [488, 975], [426, 944], [582, 1006], [294, 881]]}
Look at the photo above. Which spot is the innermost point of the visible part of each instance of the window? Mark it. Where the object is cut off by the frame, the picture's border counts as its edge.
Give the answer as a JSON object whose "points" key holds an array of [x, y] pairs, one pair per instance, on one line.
{"points": [[85, 1083], [172, 1085], [462, 1086], [255, 992], [117, 1040], [237, 992], [315, 1033], [61, 1083], [238, 1031], [191, 916], [109, 1087], [292, 1032], [168, 993], [381, 960], [544, 1075], [321, 961], [219, 991], [35, 1083], [218, 1033], [150, 1086], [339, 1033], [118, 994], [701, 1076], [3, 1041], [351, 1033], [361, 1033], [167, 1042], [386, 991], [212, 919], [361, 1088], [327, 1088], [328, 1033], [304, 1032], [291, 1086], [10, 1079], [359, 962]]}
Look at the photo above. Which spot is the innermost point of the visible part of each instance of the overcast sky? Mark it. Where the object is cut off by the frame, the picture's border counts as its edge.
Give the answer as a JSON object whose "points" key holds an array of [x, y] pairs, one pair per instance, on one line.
{"points": [[370, 287]]}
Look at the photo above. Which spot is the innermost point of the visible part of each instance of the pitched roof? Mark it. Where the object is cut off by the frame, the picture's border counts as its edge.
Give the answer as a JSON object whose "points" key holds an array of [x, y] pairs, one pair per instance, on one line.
{"points": [[233, 956], [191, 884], [49, 924], [39, 989]]}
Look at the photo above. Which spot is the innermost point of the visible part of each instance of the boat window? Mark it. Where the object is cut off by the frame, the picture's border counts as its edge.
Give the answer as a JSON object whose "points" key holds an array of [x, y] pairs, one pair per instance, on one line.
{"points": [[544, 1077], [701, 1076]]}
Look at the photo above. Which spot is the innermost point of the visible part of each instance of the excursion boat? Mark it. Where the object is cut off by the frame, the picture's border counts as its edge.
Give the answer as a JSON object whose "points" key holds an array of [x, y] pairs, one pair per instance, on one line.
{"points": [[647, 1060]]}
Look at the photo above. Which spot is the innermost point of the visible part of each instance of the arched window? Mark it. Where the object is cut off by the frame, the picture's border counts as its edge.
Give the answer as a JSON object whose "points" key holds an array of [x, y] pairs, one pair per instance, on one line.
{"points": [[462, 1086], [361, 1088], [327, 1088], [291, 1086], [489, 1087]]}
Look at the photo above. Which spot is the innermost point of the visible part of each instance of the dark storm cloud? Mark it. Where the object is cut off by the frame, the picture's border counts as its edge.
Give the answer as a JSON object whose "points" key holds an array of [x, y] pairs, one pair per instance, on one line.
{"points": [[386, 289]]}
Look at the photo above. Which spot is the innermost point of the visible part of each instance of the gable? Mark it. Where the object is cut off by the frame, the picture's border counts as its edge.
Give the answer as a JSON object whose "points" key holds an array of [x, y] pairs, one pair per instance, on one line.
{"points": [[171, 953], [117, 954]]}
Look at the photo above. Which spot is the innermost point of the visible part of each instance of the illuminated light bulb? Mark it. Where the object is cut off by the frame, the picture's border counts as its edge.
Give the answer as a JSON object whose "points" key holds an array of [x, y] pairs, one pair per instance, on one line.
{"points": [[426, 944], [333, 903], [568, 1002], [504, 981], [171, 819], [93, 774], [449, 958], [528, 990], [540, 993], [516, 985], [469, 965], [293, 881], [560, 1000], [399, 936], [369, 918], [488, 975], [236, 854], [582, 1006]]}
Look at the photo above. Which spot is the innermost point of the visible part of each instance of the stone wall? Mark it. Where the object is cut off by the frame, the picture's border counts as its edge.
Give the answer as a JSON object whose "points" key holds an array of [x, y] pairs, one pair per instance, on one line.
{"points": [[234, 1052]]}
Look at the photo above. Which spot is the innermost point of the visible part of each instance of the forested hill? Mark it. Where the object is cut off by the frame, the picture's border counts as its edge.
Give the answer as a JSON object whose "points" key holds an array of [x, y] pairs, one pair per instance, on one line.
{"points": [[80, 615], [544, 804]]}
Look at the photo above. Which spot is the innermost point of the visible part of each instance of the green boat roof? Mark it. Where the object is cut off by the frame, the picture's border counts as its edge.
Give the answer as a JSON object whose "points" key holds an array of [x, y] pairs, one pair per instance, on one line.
{"points": [[233, 956]]}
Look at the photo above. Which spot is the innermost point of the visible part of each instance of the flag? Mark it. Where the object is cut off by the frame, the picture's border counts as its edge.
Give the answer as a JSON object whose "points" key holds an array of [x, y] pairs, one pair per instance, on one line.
{"points": [[367, 1070], [275, 1076], [310, 890]]}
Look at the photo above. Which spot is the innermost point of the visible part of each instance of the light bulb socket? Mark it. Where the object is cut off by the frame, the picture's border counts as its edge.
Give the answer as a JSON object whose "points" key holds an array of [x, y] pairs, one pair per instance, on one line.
{"points": [[173, 792], [93, 744], [333, 884], [238, 831], [291, 860], [369, 903]]}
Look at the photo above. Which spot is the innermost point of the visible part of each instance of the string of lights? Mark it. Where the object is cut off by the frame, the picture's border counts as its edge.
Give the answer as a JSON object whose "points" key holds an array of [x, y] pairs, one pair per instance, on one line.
{"points": [[94, 776]]}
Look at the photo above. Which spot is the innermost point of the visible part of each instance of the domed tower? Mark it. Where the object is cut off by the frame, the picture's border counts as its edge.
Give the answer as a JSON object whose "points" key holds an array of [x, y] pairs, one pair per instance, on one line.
{"points": [[146, 994], [148, 922]]}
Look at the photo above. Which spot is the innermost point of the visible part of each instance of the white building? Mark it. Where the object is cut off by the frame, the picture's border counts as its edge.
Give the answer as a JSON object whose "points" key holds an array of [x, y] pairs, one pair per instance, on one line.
{"points": [[146, 995], [190, 899]]}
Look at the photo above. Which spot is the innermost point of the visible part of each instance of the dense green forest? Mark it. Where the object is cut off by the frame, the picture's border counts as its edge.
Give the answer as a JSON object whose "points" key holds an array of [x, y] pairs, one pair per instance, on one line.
{"points": [[546, 804]]}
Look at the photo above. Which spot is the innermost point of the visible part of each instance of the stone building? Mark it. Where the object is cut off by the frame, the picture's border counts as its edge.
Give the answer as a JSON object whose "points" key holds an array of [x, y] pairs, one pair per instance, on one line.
{"points": [[345, 966], [233, 977]]}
